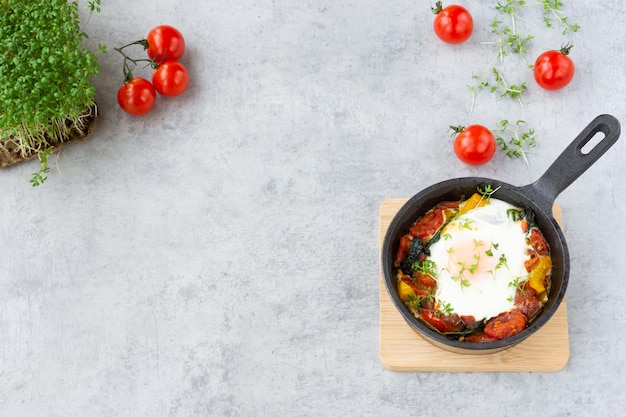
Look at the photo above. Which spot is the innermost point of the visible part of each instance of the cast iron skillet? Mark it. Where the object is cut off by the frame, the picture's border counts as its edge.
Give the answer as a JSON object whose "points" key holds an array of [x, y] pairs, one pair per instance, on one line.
{"points": [[538, 196]]}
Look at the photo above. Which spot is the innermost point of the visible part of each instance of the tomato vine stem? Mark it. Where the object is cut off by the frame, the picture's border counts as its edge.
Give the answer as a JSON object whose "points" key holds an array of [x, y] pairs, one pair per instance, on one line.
{"points": [[130, 63]]}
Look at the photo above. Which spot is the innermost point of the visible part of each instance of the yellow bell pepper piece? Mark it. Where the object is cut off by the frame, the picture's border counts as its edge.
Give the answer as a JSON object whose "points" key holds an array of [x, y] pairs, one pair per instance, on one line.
{"points": [[537, 277], [476, 200], [405, 292]]}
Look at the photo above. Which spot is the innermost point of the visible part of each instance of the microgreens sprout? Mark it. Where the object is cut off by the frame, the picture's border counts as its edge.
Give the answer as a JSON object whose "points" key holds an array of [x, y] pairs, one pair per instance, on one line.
{"points": [[460, 278], [39, 177], [478, 244], [502, 262], [444, 307], [514, 140], [517, 283], [474, 266], [486, 192], [416, 301], [552, 12], [489, 252], [426, 267], [466, 224], [514, 214], [94, 7]]}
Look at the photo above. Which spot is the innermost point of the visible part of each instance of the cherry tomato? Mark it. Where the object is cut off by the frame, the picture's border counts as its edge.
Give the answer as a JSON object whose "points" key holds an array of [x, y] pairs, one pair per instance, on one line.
{"points": [[554, 69], [453, 24], [170, 78], [474, 145], [136, 97], [165, 43]]}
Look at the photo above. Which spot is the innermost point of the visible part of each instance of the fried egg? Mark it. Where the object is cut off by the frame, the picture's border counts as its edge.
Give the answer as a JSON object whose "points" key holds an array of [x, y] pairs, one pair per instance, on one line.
{"points": [[479, 261]]}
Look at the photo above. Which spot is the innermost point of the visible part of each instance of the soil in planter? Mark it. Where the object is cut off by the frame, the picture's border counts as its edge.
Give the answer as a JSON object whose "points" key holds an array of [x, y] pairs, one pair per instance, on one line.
{"points": [[10, 152]]}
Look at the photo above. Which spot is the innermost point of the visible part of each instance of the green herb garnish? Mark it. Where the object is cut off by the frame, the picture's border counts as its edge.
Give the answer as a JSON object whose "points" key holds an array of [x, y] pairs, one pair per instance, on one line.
{"points": [[45, 77]]}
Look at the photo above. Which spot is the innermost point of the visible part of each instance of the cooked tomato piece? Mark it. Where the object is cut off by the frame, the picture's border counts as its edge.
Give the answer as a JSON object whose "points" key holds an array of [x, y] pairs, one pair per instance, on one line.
{"points": [[527, 303], [428, 224], [448, 205], [411, 283], [538, 242], [468, 320], [403, 249], [505, 325], [435, 321], [532, 261], [444, 323], [425, 279], [530, 307]]}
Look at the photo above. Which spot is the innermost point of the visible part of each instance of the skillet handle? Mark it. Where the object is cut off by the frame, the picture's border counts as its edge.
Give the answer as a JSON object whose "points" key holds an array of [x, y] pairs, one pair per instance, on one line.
{"points": [[572, 162]]}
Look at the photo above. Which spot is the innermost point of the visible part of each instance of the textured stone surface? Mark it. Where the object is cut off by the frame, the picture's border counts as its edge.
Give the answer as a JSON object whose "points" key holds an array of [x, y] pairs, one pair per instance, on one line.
{"points": [[219, 256]]}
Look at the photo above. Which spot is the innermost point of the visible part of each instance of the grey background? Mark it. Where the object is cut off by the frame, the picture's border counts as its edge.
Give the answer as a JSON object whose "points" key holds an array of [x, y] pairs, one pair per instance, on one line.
{"points": [[219, 256]]}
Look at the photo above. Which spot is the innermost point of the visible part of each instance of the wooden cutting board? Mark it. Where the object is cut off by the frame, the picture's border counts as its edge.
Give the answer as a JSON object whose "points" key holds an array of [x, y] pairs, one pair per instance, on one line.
{"points": [[401, 349]]}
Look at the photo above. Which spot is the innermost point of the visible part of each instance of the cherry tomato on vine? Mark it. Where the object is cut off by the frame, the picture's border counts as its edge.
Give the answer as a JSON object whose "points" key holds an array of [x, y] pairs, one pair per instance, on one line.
{"points": [[554, 69], [136, 96], [170, 78], [165, 43], [453, 24], [474, 145]]}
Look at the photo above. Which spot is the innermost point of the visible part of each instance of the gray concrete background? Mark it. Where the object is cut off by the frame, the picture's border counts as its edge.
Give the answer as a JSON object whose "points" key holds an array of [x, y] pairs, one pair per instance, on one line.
{"points": [[219, 256]]}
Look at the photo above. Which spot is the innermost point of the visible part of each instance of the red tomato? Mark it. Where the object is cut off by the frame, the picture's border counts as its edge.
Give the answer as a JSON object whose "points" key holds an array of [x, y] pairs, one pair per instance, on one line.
{"points": [[453, 24], [538, 242], [554, 69], [136, 97], [426, 280], [170, 78], [474, 145], [435, 321], [527, 303], [505, 325], [403, 249], [165, 43], [443, 323], [428, 224]]}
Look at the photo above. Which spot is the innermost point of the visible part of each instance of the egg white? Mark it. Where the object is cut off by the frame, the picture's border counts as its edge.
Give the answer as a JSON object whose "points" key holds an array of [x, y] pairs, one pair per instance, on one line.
{"points": [[480, 261]]}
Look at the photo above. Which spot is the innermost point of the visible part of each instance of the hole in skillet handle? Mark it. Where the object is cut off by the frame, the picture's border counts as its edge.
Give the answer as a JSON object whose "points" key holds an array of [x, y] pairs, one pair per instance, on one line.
{"points": [[599, 136], [593, 142]]}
